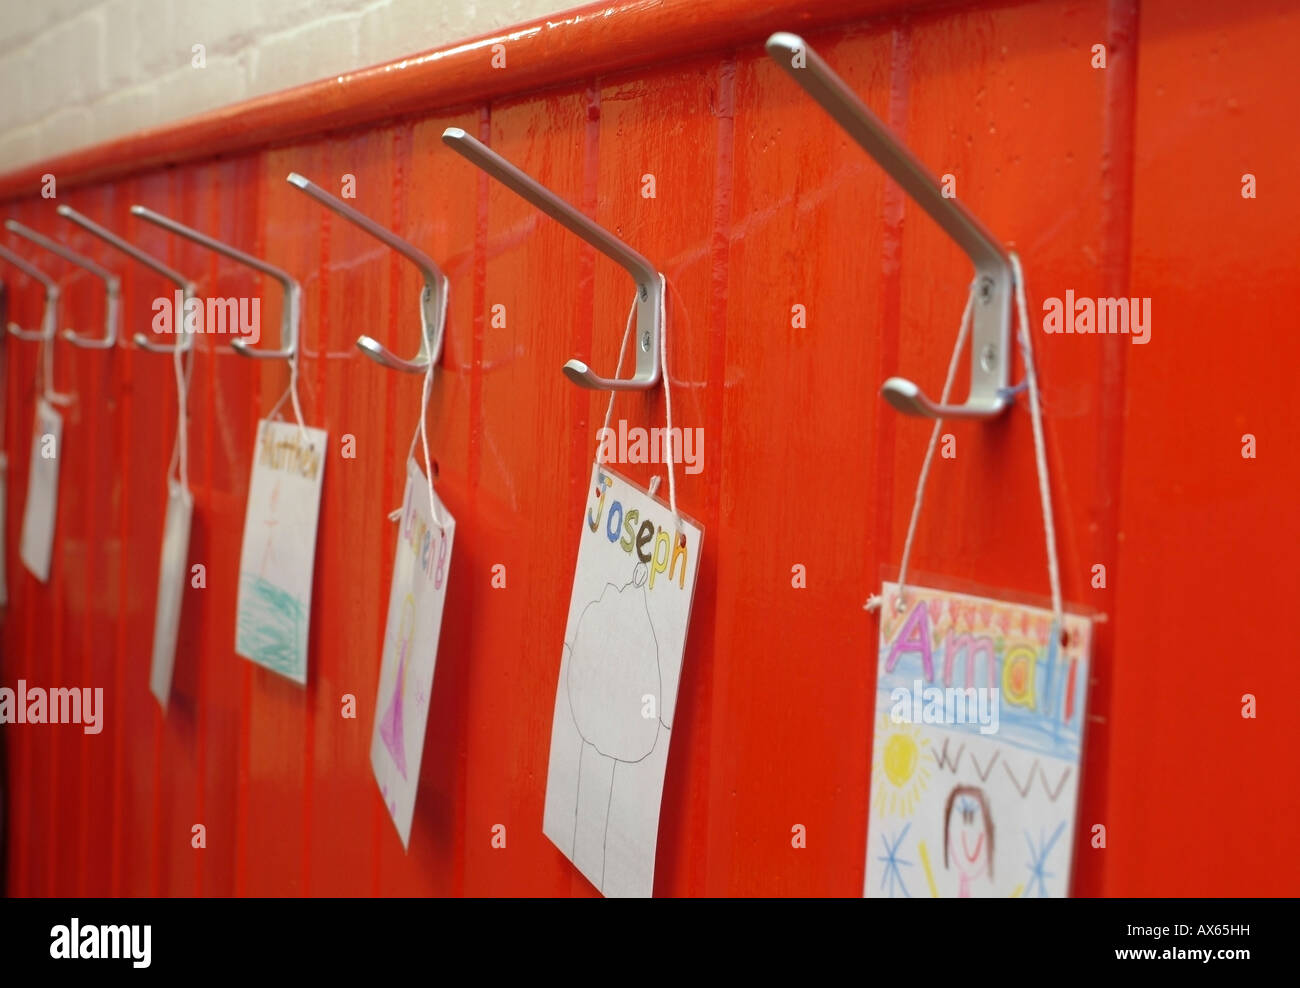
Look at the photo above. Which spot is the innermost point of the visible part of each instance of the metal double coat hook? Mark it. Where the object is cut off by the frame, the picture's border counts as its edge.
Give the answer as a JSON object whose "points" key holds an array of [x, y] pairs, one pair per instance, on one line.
{"points": [[991, 329], [112, 286], [184, 340], [433, 298], [292, 303], [50, 316], [647, 278]]}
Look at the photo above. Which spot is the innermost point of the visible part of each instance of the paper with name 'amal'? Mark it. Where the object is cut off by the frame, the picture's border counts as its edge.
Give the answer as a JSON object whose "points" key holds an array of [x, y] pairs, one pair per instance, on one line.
{"points": [[979, 713]]}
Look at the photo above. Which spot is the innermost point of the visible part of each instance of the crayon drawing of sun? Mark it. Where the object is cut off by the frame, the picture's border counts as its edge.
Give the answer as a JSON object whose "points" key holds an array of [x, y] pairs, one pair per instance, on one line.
{"points": [[899, 773]]}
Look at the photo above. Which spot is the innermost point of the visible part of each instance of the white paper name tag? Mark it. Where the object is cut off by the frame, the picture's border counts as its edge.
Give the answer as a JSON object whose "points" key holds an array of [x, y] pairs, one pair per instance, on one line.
{"points": [[172, 575], [42, 505], [619, 669], [975, 762], [279, 550], [415, 605]]}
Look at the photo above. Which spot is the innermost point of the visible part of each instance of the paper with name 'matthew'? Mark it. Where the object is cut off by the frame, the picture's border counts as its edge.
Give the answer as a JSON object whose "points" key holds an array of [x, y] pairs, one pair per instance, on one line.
{"points": [[172, 579], [633, 587], [979, 715], [279, 550], [42, 507], [415, 607]]}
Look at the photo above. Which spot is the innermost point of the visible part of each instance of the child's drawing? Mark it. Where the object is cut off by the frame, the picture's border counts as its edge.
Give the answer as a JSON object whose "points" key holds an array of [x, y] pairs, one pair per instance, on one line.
{"points": [[410, 650], [597, 693], [390, 728], [617, 688], [975, 760], [279, 548], [967, 837]]}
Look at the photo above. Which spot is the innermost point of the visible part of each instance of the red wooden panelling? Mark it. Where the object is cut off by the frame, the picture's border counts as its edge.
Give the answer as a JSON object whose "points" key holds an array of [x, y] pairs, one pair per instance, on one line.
{"points": [[1115, 181], [1200, 798]]}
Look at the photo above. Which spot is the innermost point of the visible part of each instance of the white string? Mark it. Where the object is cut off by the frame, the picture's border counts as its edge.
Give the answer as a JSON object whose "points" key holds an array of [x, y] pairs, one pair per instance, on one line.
{"points": [[179, 465], [668, 399], [292, 392], [424, 398], [49, 323], [618, 372], [1040, 445], [874, 601], [47, 351], [420, 431], [1040, 453]]}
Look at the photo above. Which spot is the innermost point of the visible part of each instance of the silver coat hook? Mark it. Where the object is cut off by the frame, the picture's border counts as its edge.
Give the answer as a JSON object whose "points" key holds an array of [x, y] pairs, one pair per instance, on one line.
{"points": [[184, 340], [292, 290], [112, 286], [48, 320], [642, 271], [44, 335], [433, 298], [991, 329]]}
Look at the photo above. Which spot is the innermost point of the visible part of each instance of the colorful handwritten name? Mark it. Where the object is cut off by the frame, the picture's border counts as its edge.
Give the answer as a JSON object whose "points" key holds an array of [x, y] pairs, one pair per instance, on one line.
{"points": [[652, 544], [290, 455], [419, 536], [1014, 665]]}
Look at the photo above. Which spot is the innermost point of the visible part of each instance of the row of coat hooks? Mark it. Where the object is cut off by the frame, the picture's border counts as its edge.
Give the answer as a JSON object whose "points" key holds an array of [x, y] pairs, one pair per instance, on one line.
{"points": [[990, 362]]}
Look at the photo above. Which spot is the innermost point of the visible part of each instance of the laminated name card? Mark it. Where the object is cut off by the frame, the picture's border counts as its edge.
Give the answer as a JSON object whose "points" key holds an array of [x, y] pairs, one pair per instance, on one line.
{"points": [[42, 507], [619, 670], [979, 713], [415, 606], [172, 578], [279, 550]]}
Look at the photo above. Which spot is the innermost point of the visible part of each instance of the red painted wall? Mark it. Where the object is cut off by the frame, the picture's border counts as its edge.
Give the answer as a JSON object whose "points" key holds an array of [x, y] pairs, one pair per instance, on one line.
{"points": [[1117, 181]]}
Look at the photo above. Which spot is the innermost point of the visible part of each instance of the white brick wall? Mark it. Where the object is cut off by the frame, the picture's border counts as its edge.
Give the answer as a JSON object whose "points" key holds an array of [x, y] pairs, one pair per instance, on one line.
{"points": [[78, 72]]}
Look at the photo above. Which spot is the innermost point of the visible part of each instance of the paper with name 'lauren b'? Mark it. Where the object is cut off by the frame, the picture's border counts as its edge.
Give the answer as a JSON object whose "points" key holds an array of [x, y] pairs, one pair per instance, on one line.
{"points": [[279, 550], [415, 606], [619, 670], [42, 507]]}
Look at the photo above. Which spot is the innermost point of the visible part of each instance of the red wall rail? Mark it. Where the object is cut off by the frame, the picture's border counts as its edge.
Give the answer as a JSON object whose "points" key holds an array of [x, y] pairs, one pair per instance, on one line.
{"points": [[1111, 182]]}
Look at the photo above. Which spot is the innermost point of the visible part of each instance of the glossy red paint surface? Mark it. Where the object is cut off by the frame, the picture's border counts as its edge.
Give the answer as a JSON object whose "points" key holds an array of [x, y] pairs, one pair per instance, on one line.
{"points": [[1122, 181]]}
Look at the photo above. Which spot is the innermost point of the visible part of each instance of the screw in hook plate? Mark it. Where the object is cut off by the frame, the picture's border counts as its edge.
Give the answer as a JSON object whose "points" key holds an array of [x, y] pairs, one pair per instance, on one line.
{"points": [[986, 290], [988, 357]]}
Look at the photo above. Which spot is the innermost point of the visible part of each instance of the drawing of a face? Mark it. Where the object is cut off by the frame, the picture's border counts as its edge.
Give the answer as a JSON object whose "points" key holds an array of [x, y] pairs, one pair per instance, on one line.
{"points": [[967, 835]]}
